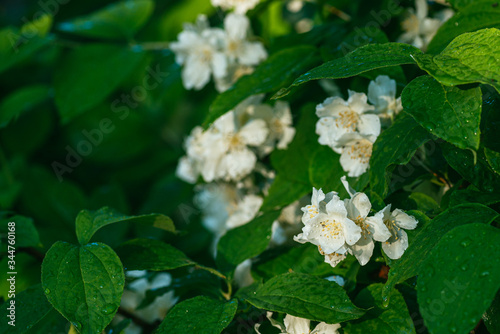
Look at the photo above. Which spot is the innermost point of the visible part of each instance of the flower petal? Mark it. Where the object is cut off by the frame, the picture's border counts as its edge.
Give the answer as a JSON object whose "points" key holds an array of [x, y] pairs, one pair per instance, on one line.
{"points": [[396, 248], [296, 325], [403, 220]]}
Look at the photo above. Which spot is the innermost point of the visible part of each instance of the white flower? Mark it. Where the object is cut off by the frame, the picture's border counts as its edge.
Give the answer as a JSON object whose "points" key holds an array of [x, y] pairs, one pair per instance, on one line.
{"points": [[420, 29], [199, 49], [225, 207], [396, 221], [232, 159], [239, 6], [372, 228], [339, 118], [296, 325], [287, 225], [136, 292], [328, 228], [382, 94], [356, 154], [237, 47], [279, 122]]}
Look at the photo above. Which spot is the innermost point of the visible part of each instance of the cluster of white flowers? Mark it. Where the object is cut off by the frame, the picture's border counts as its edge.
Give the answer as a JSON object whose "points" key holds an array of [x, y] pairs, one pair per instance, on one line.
{"points": [[296, 325], [226, 54], [229, 148], [135, 293], [420, 29], [239, 6], [351, 127], [340, 227]]}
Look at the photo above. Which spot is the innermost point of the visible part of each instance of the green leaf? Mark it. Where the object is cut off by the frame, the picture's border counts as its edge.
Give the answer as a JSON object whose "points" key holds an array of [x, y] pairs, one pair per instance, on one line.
{"points": [[116, 21], [469, 58], [277, 71], [363, 59], [460, 279], [493, 159], [33, 314], [25, 231], [284, 192], [150, 254], [199, 315], [305, 296], [379, 319], [245, 241], [458, 4], [450, 113], [39, 27], [478, 15], [410, 264], [84, 283], [396, 145], [473, 196], [89, 222], [16, 47], [21, 101], [293, 163], [88, 74], [472, 166]]}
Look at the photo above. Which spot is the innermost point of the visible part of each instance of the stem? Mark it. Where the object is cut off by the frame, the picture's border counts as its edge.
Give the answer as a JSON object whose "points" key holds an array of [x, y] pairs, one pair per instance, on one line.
{"points": [[229, 292]]}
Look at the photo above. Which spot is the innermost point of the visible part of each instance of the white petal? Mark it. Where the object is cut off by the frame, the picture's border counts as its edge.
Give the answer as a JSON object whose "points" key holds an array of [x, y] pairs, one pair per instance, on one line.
{"points": [[363, 249], [237, 164], [186, 170], [195, 73], [352, 164], [324, 328], [242, 274], [332, 106], [334, 259], [377, 228], [336, 206], [254, 132], [287, 137], [358, 102], [359, 206], [236, 25], [219, 65], [352, 232], [395, 249], [347, 187], [403, 220], [369, 125], [251, 53], [296, 325], [317, 197]]}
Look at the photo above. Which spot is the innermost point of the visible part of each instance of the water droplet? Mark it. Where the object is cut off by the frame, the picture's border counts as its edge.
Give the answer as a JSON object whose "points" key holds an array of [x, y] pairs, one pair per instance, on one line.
{"points": [[484, 273], [453, 329], [47, 291], [466, 242], [76, 324], [464, 267], [108, 309]]}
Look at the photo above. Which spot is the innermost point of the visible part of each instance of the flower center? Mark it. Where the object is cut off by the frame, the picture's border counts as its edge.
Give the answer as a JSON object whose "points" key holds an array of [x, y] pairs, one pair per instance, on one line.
{"points": [[234, 141], [348, 120], [361, 150], [360, 221], [392, 227], [330, 228], [411, 24], [312, 210]]}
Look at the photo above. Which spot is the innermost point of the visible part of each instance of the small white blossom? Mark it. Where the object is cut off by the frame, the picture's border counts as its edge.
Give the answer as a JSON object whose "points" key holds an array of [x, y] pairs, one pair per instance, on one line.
{"points": [[200, 49], [279, 122], [356, 153], [237, 48], [396, 221], [239, 6], [420, 29], [372, 228], [234, 72], [287, 225], [339, 118], [326, 225], [296, 325], [242, 274], [382, 94]]}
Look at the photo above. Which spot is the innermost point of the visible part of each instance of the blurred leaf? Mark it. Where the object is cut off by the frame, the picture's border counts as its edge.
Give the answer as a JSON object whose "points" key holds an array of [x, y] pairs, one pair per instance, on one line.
{"points": [[34, 314], [394, 146], [277, 71], [116, 21], [88, 222], [39, 27], [199, 315], [284, 192], [469, 58], [150, 254], [473, 196], [25, 231], [491, 317], [20, 101], [84, 283], [472, 166], [363, 59], [88, 74], [461, 277], [450, 113], [245, 241], [305, 296], [478, 15], [493, 159], [411, 263], [459, 4], [16, 47], [379, 319], [182, 12]]}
